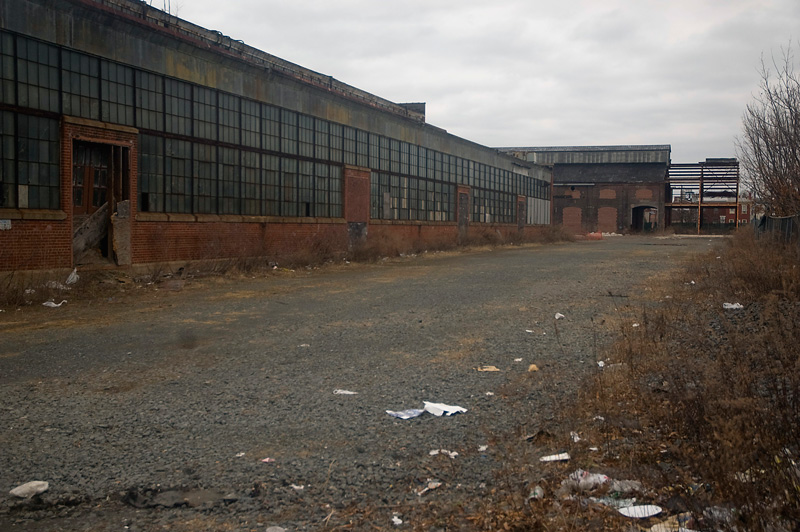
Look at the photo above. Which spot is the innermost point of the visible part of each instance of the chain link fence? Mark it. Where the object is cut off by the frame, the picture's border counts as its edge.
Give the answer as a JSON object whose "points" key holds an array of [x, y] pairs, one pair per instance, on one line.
{"points": [[786, 228]]}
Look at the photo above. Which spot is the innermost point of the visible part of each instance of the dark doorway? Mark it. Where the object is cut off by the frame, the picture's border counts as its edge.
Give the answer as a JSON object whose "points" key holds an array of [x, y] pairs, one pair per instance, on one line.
{"points": [[644, 218], [100, 183]]}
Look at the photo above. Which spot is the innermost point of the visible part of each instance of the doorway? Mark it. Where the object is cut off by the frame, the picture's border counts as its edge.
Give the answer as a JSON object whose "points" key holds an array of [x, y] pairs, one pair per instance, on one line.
{"points": [[100, 183]]}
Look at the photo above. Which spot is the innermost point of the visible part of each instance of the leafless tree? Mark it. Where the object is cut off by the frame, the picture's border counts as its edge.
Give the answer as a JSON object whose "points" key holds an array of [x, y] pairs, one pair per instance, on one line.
{"points": [[769, 148]]}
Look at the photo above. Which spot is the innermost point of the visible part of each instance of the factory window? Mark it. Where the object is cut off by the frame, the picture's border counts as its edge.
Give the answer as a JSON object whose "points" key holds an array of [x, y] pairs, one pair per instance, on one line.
{"points": [[335, 191], [37, 71], [413, 160], [289, 187], [322, 206], [374, 151], [272, 185], [204, 165], [423, 162], [38, 182], [178, 172], [8, 180], [6, 68], [288, 132], [349, 145], [151, 173], [229, 118], [116, 89], [362, 148], [149, 101], [178, 107], [404, 159], [80, 82], [251, 183], [336, 143], [204, 111], [306, 136], [385, 154], [394, 155], [229, 191], [271, 128], [321, 140], [251, 124], [305, 188]]}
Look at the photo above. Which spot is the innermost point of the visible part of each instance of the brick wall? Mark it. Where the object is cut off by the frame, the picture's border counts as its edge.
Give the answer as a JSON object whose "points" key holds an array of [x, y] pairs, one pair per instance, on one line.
{"points": [[35, 244]]}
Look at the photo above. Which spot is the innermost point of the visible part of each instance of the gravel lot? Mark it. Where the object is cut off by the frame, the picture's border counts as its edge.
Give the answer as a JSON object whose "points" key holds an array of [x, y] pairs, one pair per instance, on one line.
{"points": [[153, 409]]}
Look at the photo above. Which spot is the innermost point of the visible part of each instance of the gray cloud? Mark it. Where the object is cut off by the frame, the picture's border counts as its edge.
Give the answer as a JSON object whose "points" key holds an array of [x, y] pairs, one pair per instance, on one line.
{"points": [[515, 72]]}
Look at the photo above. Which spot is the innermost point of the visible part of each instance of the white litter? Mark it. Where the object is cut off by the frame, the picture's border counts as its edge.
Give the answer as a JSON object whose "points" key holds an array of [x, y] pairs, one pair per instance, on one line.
{"points": [[55, 285], [451, 454], [432, 485], [529, 331], [635, 324], [517, 360], [304, 345], [29, 489], [561, 457], [489, 393], [396, 521], [344, 392], [298, 488], [239, 455], [482, 448], [574, 436], [73, 277], [406, 414], [595, 449], [601, 364], [732, 306], [587, 481], [641, 512], [52, 304], [560, 316], [440, 409]]}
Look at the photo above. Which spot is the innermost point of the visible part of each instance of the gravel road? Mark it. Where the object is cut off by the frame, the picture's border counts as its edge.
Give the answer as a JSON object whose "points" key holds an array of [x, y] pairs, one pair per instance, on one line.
{"points": [[154, 409]]}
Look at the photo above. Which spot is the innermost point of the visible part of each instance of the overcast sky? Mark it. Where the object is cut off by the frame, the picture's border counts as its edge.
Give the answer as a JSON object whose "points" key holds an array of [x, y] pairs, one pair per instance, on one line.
{"points": [[534, 73]]}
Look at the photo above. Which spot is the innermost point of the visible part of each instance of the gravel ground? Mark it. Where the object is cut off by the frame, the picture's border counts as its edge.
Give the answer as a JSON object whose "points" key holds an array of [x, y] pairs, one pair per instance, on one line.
{"points": [[154, 409]]}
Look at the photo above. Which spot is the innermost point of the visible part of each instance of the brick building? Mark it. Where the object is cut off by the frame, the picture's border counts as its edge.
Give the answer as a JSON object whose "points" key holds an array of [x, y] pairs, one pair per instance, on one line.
{"points": [[613, 189], [138, 136]]}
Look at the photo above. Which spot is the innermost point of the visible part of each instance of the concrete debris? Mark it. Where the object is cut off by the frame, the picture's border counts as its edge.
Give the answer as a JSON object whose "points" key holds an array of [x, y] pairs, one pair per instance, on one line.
{"points": [[29, 489]]}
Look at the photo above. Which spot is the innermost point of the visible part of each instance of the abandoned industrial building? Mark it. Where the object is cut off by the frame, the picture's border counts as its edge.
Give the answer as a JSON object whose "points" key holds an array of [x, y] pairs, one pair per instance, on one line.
{"points": [[135, 135]]}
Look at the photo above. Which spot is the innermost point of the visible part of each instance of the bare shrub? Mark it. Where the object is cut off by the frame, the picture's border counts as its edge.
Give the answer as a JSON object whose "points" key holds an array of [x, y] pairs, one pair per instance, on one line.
{"points": [[717, 392]]}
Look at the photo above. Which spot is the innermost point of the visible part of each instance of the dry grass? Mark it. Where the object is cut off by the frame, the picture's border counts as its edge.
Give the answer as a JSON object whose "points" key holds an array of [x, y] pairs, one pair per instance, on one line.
{"points": [[716, 392]]}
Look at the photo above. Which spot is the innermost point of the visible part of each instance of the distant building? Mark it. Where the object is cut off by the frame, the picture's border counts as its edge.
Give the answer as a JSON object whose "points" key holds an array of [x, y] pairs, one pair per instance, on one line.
{"points": [[613, 189]]}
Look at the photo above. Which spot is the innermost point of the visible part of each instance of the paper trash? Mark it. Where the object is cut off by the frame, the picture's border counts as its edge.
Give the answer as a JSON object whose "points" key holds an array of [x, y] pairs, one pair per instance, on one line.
{"points": [[439, 409], [53, 304], [560, 316], [641, 512], [406, 414], [732, 306], [488, 368], [555, 457], [344, 392]]}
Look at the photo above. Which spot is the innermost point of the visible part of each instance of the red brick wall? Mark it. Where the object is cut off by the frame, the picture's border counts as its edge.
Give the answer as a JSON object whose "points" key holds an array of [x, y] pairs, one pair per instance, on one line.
{"points": [[175, 241], [36, 244]]}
